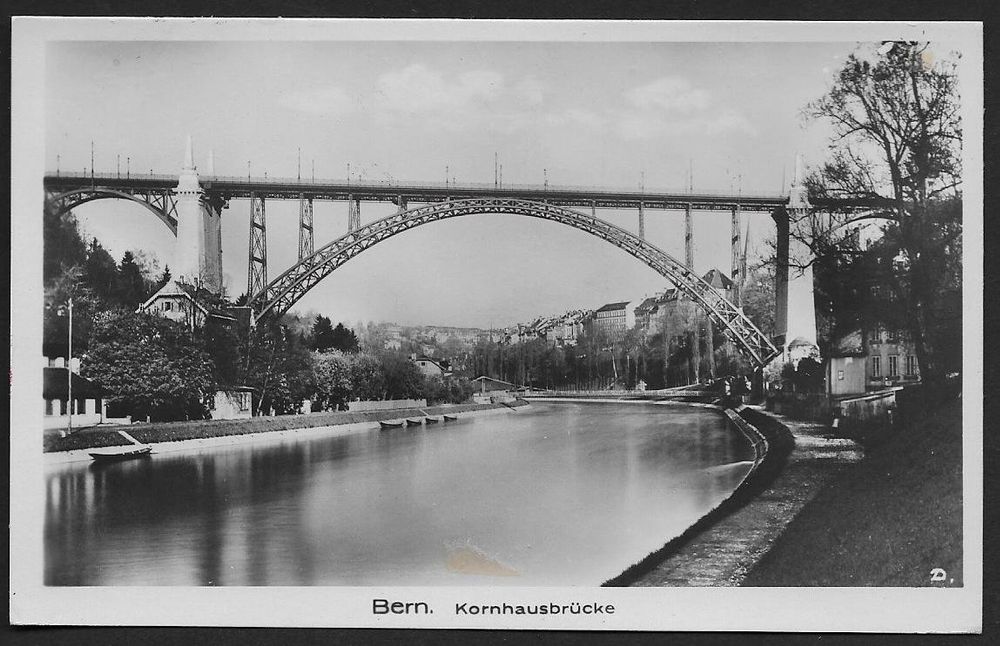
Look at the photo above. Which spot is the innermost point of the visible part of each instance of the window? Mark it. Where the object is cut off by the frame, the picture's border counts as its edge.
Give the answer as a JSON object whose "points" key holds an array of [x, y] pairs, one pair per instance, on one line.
{"points": [[893, 365], [876, 367], [840, 375], [911, 365], [876, 291], [877, 334], [891, 336]]}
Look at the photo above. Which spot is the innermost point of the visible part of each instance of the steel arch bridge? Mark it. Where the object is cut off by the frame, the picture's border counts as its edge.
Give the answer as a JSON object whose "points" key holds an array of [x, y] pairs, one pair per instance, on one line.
{"points": [[159, 201], [284, 291]]}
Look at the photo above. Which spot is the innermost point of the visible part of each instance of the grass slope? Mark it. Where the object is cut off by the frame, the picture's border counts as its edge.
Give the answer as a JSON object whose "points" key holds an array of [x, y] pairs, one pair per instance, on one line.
{"points": [[888, 522]]}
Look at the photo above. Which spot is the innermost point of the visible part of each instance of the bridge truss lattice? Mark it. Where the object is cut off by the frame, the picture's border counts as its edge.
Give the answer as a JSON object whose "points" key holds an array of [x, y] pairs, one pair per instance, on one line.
{"points": [[285, 290]]}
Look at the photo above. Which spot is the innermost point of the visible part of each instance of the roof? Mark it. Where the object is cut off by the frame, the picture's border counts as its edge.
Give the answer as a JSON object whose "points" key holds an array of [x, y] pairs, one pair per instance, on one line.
{"points": [[54, 385], [491, 383], [848, 345], [717, 279], [648, 305], [613, 306], [800, 341], [173, 288]]}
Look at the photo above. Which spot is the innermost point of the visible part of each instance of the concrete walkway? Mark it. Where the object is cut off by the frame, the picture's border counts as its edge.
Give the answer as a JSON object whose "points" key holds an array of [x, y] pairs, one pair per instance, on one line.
{"points": [[724, 553]]}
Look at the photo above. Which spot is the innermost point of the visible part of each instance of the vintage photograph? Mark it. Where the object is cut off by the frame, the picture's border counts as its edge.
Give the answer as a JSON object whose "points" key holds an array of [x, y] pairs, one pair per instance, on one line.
{"points": [[479, 311]]}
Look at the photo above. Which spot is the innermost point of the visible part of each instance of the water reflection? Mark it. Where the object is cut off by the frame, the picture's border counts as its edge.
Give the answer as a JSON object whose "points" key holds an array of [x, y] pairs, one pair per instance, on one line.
{"points": [[554, 495]]}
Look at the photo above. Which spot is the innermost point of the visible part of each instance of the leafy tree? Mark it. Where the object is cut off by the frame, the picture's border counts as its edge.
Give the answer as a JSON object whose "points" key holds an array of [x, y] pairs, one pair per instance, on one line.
{"points": [[278, 367], [367, 378], [322, 334], [223, 344], [62, 245], [151, 365], [343, 339], [100, 272], [131, 288], [403, 379], [897, 140], [332, 376]]}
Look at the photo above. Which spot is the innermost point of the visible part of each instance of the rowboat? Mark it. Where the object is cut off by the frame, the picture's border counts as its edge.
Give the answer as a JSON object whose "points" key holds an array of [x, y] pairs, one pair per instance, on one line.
{"points": [[415, 421], [432, 420], [393, 424], [450, 418], [115, 453]]}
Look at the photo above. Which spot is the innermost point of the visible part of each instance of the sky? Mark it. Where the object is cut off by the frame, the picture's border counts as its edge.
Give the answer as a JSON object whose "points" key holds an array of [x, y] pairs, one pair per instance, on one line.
{"points": [[595, 114]]}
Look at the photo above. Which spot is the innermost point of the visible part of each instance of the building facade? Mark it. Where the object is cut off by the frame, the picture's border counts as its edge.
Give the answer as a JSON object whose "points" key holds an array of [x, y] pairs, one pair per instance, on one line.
{"points": [[614, 320]]}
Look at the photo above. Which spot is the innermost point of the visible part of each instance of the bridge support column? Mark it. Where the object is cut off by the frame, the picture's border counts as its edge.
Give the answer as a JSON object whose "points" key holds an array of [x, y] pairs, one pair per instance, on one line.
{"points": [[688, 238], [400, 203], [795, 302], [257, 271], [353, 214], [306, 246], [190, 244], [737, 264], [211, 260], [642, 222]]}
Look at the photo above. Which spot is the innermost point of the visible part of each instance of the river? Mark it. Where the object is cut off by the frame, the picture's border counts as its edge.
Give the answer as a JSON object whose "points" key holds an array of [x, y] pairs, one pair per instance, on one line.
{"points": [[551, 495]]}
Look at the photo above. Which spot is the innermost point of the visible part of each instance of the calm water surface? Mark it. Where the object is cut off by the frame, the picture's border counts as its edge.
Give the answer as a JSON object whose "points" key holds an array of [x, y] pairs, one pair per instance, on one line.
{"points": [[554, 494]]}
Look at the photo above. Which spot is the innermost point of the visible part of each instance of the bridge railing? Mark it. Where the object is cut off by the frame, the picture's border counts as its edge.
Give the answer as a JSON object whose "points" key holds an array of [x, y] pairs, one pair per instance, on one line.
{"points": [[631, 191]]}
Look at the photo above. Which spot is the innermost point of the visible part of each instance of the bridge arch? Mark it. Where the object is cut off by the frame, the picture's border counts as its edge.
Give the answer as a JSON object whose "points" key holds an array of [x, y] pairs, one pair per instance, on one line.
{"points": [[160, 203], [285, 290]]}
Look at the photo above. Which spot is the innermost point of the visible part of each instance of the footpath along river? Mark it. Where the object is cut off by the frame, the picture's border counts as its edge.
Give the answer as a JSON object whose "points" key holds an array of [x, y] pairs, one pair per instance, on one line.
{"points": [[553, 494]]}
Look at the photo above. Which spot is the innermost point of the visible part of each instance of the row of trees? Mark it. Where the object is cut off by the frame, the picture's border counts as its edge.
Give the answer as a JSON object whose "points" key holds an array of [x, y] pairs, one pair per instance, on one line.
{"points": [[87, 273]]}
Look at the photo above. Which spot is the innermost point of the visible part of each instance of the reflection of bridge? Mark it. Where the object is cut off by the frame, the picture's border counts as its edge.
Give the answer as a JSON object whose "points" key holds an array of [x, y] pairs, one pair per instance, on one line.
{"points": [[192, 209]]}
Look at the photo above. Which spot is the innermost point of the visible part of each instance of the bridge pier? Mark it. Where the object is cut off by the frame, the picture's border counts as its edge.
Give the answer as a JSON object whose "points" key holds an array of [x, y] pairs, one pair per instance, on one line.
{"points": [[688, 238], [795, 299], [642, 222], [353, 214], [257, 269], [306, 246], [736, 259], [197, 258]]}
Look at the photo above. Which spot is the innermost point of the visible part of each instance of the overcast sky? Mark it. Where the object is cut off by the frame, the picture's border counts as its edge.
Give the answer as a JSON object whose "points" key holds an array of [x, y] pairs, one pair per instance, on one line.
{"points": [[591, 114]]}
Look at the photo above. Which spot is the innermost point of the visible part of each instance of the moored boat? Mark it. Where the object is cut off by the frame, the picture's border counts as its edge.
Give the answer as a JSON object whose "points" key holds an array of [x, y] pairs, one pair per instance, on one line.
{"points": [[115, 453], [432, 420], [393, 423], [450, 418], [415, 421]]}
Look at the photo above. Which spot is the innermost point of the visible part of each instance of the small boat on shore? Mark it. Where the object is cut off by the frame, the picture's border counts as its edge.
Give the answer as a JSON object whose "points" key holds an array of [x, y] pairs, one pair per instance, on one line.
{"points": [[393, 424], [414, 421], [449, 418], [432, 420], [116, 453]]}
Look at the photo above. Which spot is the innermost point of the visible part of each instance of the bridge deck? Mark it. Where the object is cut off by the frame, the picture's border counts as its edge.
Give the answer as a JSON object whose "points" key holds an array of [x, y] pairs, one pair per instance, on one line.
{"points": [[424, 192]]}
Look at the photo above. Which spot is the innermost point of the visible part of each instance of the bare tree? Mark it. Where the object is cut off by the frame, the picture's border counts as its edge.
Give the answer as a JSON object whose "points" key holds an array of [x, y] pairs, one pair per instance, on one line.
{"points": [[896, 146]]}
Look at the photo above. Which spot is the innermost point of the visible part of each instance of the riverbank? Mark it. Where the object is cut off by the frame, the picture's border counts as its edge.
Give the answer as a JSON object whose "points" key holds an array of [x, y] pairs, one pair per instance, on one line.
{"points": [[889, 521], [716, 547], [174, 436]]}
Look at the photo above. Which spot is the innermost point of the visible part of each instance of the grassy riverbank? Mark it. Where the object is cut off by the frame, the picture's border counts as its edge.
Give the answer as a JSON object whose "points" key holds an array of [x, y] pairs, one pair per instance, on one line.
{"points": [[886, 522], [99, 436]]}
